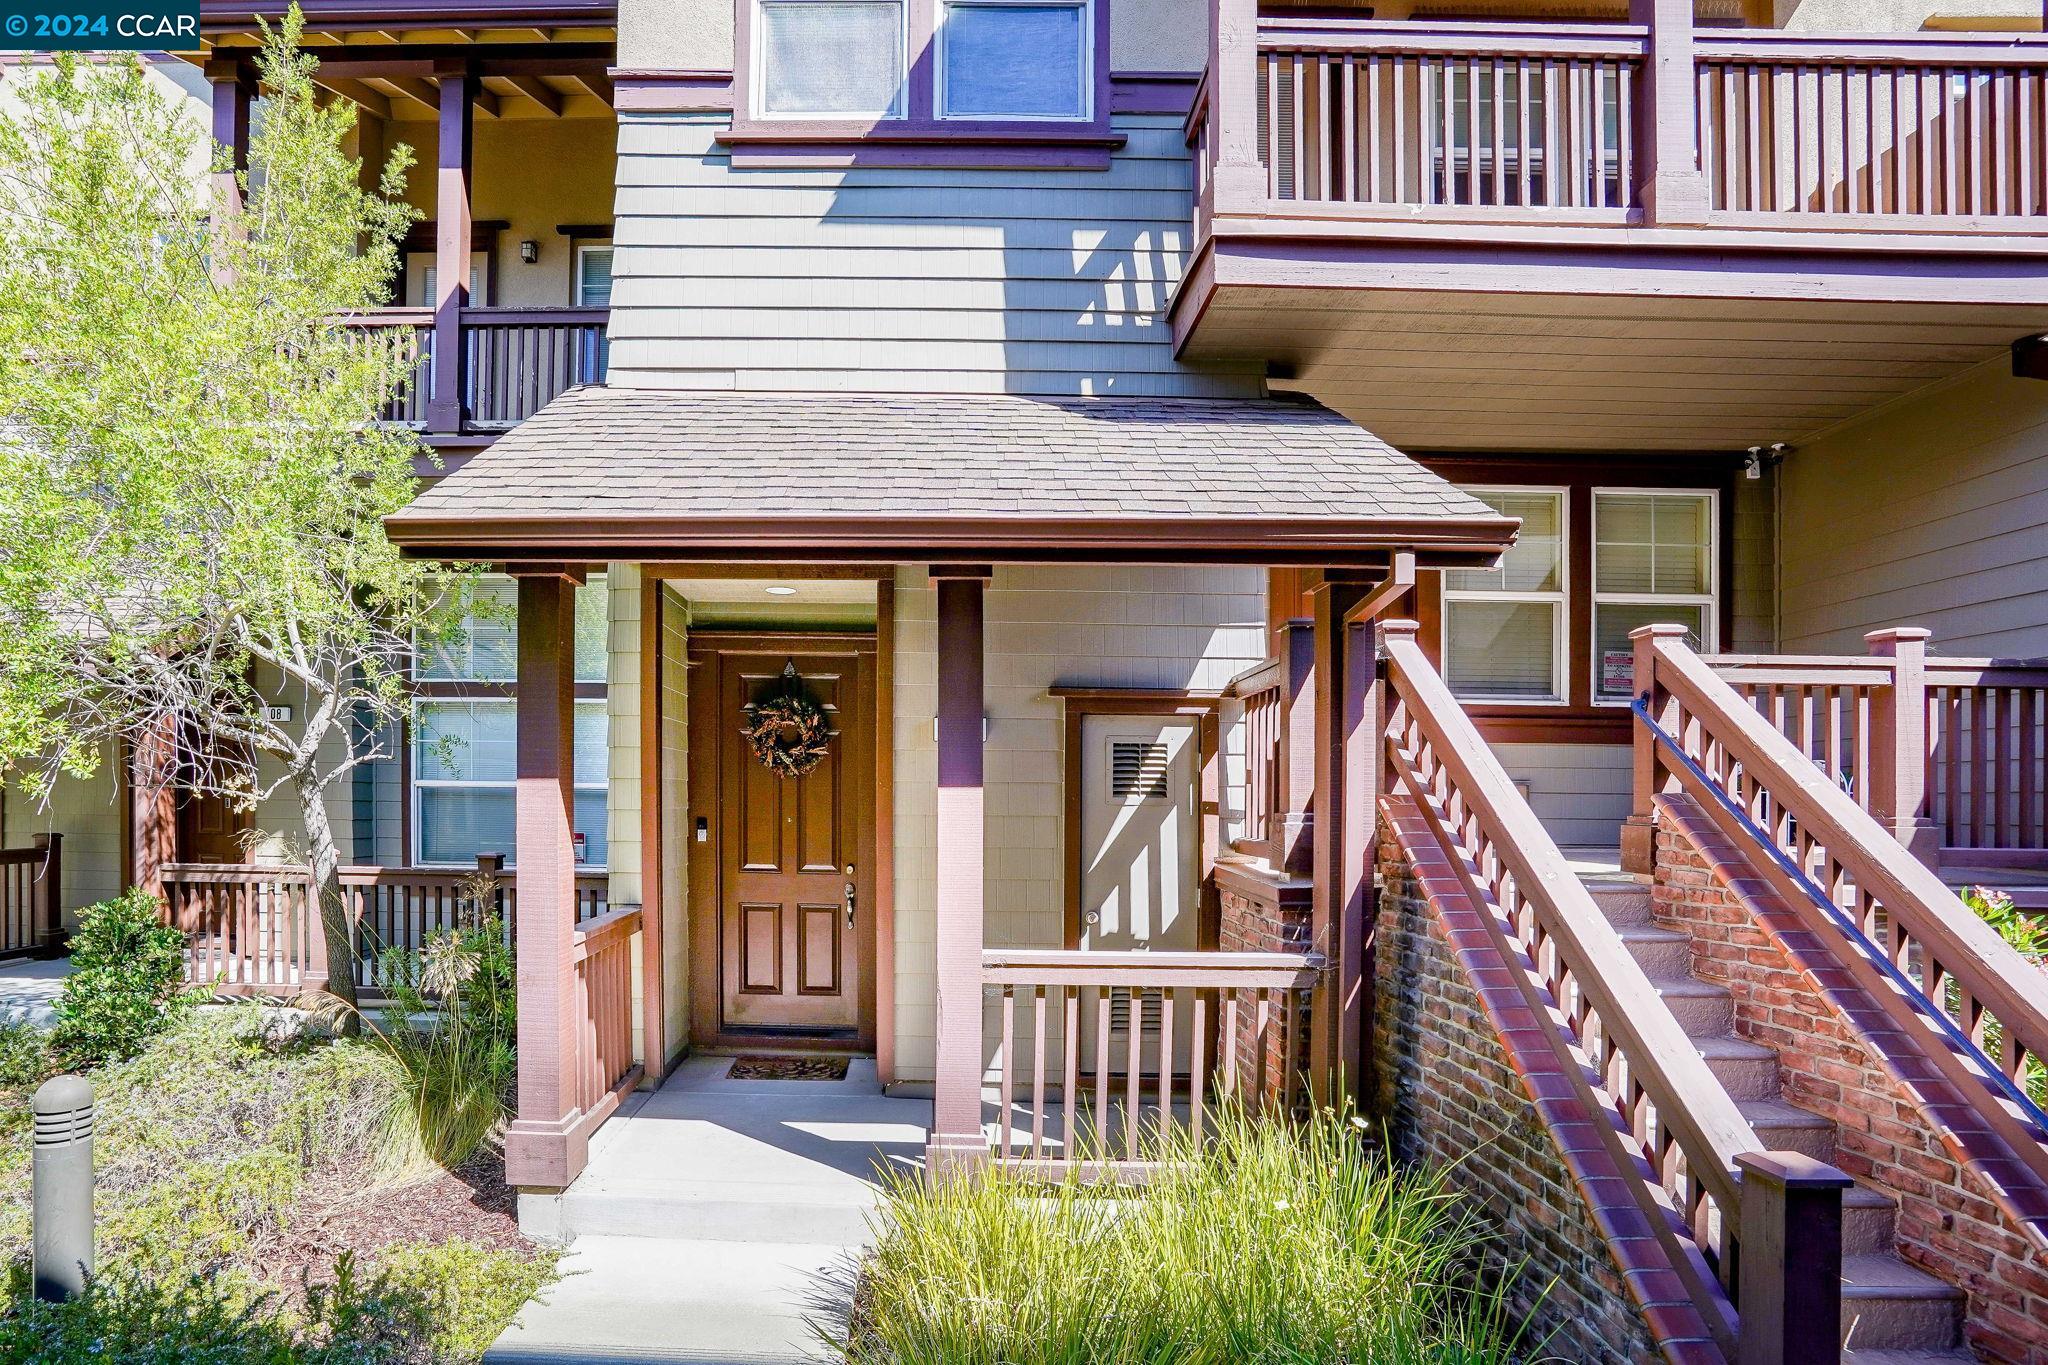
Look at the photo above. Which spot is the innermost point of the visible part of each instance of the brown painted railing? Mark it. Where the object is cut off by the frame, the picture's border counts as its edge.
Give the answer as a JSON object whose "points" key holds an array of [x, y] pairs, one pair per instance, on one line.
{"points": [[603, 957], [517, 360], [1946, 126], [251, 930], [1111, 1042], [1523, 122], [1975, 1007], [1672, 1120], [1258, 693], [413, 328], [1951, 755], [31, 886]]}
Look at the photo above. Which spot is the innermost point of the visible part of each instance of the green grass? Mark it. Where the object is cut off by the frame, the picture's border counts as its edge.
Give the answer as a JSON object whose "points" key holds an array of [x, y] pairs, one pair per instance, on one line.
{"points": [[1275, 1244]]}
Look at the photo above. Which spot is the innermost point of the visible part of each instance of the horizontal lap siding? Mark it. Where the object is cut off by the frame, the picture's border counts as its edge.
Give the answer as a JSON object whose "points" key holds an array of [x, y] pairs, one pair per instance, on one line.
{"points": [[901, 279], [1932, 513], [1579, 791]]}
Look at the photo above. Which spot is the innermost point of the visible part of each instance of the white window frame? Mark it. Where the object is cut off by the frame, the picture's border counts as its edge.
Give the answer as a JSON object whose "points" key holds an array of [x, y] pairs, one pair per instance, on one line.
{"points": [[1709, 602], [595, 244], [757, 56], [942, 22], [417, 784], [1559, 601]]}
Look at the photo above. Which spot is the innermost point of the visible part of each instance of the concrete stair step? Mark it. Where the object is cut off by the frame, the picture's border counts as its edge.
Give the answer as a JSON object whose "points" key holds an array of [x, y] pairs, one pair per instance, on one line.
{"points": [[1959, 1354], [825, 1215], [1624, 900], [1869, 1223], [1746, 1070], [1786, 1128], [1663, 954], [1888, 1305], [1701, 1007]]}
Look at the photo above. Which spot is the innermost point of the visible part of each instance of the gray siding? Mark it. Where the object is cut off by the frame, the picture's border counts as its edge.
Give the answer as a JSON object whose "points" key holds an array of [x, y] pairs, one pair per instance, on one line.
{"points": [[905, 280], [1930, 513], [1579, 791], [1753, 589]]}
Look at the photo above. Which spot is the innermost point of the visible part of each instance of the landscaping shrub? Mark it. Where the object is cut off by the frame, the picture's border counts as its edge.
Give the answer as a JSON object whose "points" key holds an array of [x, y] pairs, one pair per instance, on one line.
{"points": [[126, 984], [1272, 1243], [454, 1028], [24, 1055], [2027, 934]]}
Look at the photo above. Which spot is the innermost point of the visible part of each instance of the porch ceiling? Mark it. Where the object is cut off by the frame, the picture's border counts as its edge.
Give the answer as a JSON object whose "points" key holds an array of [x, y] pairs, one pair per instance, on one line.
{"points": [[681, 476]]}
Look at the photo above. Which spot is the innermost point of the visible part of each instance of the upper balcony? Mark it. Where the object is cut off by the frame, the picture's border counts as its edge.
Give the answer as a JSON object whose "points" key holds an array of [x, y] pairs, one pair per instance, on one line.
{"points": [[1541, 236]]}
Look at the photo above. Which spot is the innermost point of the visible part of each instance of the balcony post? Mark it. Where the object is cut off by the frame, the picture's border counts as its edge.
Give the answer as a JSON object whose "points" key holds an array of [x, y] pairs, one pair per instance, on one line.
{"points": [[958, 1145], [1236, 178], [234, 86], [547, 1143], [452, 230], [1898, 743], [1346, 801], [1669, 185]]}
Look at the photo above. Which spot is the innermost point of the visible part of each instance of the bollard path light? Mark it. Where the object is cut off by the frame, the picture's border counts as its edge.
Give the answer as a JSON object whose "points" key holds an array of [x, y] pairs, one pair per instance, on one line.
{"points": [[63, 1187]]}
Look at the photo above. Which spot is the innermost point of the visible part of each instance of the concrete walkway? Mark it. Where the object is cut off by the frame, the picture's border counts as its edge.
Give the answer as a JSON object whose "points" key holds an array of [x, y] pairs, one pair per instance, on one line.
{"points": [[718, 1222], [28, 990]]}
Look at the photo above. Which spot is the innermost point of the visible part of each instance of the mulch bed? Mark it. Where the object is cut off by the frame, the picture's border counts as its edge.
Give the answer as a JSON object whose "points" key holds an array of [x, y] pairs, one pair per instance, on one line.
{"points": [[471, 1202], [791, 1068]]}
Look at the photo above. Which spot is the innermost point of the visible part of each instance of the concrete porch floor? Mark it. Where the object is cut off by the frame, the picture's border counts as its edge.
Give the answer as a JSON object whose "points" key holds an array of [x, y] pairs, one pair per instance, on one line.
{"points": [[718, 1221], [29, 989]]}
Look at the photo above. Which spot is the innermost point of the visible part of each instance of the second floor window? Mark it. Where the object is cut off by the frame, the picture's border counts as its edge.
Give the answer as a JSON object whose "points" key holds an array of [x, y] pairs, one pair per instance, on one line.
{"points": [[831, 58], [1013, 59]]}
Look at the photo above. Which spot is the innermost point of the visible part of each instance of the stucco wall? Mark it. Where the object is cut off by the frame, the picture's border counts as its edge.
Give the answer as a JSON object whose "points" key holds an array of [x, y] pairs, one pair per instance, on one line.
{"points": [[1933, 513], [1027, 281], [1886, 16], [1119, 627]]}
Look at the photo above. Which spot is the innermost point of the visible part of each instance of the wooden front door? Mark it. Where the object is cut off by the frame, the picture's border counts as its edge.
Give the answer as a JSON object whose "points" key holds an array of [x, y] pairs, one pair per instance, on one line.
{"points": [[790, 858], [211, 829]]}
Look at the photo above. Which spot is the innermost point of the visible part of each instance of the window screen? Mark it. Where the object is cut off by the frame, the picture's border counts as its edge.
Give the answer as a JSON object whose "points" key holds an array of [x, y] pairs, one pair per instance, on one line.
{"points": [[831, 57], [1504, 626], [1004, 60]]}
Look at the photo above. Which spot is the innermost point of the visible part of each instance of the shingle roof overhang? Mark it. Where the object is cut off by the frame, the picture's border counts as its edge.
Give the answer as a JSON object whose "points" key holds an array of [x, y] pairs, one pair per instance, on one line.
{"points": [[825, 477]]}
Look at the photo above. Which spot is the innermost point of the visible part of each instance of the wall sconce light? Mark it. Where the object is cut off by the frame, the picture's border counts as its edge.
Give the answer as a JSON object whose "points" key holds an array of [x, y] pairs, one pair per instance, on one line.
{"points": [[529, 251]]}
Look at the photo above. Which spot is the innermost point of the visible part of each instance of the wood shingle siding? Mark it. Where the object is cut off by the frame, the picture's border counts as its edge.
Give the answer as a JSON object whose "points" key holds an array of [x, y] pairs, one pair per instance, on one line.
{"points": [[901, 279]]}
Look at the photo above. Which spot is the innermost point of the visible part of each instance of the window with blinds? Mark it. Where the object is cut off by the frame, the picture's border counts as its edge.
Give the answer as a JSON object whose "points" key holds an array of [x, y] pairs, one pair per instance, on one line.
{"points": [[1655, 562], [1504, 627], [594, 276]]}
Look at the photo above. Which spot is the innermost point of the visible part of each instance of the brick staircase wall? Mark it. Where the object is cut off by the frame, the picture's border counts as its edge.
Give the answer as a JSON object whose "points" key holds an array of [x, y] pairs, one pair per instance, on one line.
{"points": [[1262, 924], [1452, 1097], [1947, 1225]]}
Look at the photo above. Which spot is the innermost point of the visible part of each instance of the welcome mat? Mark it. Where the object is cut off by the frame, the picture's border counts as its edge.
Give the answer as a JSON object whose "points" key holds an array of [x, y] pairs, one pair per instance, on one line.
{"points": [[791, 1068]]}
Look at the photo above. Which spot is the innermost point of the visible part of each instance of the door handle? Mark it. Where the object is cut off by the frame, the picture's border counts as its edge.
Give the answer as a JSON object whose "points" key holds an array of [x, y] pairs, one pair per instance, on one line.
{"points": [[849, 895]]}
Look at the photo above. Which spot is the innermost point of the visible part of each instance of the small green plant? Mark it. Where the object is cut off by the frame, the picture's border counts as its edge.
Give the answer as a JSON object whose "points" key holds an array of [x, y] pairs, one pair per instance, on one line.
{"points": [[126, 985], [2027, 935], [24, 1055], [1271, 1243]]}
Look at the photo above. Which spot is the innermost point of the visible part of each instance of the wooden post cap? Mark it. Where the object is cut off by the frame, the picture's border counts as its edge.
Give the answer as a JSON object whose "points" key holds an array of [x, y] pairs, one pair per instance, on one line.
{"points": [[1792, 1170], [1400, 627], [1660, 632]]}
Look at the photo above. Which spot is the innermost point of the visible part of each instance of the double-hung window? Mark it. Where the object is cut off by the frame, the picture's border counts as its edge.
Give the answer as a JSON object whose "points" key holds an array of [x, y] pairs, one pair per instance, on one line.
{"points": [[830, 59], [1504, 627], [1654, 563], [464, 748]]}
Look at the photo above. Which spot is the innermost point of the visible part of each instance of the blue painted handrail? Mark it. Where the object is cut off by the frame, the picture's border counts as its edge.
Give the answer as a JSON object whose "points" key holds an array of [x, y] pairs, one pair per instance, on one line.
{"points": [[1841, 919]]}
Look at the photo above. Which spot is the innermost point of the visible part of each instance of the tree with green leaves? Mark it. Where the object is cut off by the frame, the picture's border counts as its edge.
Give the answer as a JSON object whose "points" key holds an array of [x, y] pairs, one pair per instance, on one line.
{"points": [[192, 469]]}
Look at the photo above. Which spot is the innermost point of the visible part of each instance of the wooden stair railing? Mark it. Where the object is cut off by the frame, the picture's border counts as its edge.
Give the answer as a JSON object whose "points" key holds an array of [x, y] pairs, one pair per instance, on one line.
{"points": [[1630, 1059], [1974, 1006]]}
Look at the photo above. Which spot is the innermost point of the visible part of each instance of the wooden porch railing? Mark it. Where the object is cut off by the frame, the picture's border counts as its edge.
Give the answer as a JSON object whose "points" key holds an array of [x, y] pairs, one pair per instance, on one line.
{"points": [[31, 888], [518, 360], [1112, 1043], [603, 957], [1951, 755], [1258, 693], [1523, 122], [252, 930], [1976, 1008], [1672, 1119], [413, 328]]}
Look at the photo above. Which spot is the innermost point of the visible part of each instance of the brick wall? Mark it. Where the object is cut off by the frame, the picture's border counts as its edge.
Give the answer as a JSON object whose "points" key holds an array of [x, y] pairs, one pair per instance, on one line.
{"points": [[1947, 1224], [1450, 1097], [1266, 924]]}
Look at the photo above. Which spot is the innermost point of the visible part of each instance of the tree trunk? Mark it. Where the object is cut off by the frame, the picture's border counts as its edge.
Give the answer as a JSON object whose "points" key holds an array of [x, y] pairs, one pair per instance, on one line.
{"points": [[325, 860]]}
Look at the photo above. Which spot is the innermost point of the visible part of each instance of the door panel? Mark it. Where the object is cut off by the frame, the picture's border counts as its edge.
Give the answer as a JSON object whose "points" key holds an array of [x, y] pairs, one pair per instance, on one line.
{"points": [[788, 849]]}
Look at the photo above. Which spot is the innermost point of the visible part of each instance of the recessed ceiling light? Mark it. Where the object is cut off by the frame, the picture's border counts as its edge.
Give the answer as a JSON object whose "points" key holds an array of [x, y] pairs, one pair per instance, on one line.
{"points": [[781, 590]]}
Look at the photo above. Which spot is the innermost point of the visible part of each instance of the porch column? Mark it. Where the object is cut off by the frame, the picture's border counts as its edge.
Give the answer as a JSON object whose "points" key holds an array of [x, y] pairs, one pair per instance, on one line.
{"points": [[546, 1144], [1238, 180], [1346, 745], [1898, 743], [1668, 181], [957, 1142], [152, 806], [452, 225], [234, 86]]}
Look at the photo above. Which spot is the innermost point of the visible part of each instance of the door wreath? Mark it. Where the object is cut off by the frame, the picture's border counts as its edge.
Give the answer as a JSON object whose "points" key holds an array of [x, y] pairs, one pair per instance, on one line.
{"points": [[788, 734]]}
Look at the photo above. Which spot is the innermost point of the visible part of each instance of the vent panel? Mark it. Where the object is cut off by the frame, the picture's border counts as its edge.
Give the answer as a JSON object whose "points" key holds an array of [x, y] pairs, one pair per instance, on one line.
{"points": [[1137, 769]]}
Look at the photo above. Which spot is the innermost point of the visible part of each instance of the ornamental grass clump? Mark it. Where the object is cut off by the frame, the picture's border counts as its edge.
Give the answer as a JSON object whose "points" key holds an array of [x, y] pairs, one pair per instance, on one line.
{"points": [[1273, 1242]]}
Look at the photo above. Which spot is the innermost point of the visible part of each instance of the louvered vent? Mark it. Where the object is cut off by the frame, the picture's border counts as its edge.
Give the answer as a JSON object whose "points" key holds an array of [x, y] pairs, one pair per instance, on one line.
{"points": [[1137, 768], [1120, 1011]]}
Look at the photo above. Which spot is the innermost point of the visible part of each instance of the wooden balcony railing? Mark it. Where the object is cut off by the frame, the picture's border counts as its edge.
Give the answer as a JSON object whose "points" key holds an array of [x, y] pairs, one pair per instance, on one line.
{"points": [[31, 882], [1950, 755], [514, 362], [1972, 1006], [603, 957], [252, 930], [1496, 122], [1113, 1043], [1258, 694]]}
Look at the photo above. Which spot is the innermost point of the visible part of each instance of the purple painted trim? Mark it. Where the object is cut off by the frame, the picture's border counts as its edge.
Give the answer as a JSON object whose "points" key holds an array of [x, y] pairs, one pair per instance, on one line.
{"points": [[960, 154], [216, 16], [671, 92], [1153, 92]]}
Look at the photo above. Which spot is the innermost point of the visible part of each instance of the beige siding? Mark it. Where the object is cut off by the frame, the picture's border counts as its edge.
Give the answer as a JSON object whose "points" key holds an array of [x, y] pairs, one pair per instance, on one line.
{"points": [[675, 809], [1121, 627], [622, 797], [1753, 591], [1931, 513], [1579, 791], [984, 281], [86, 811]]}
